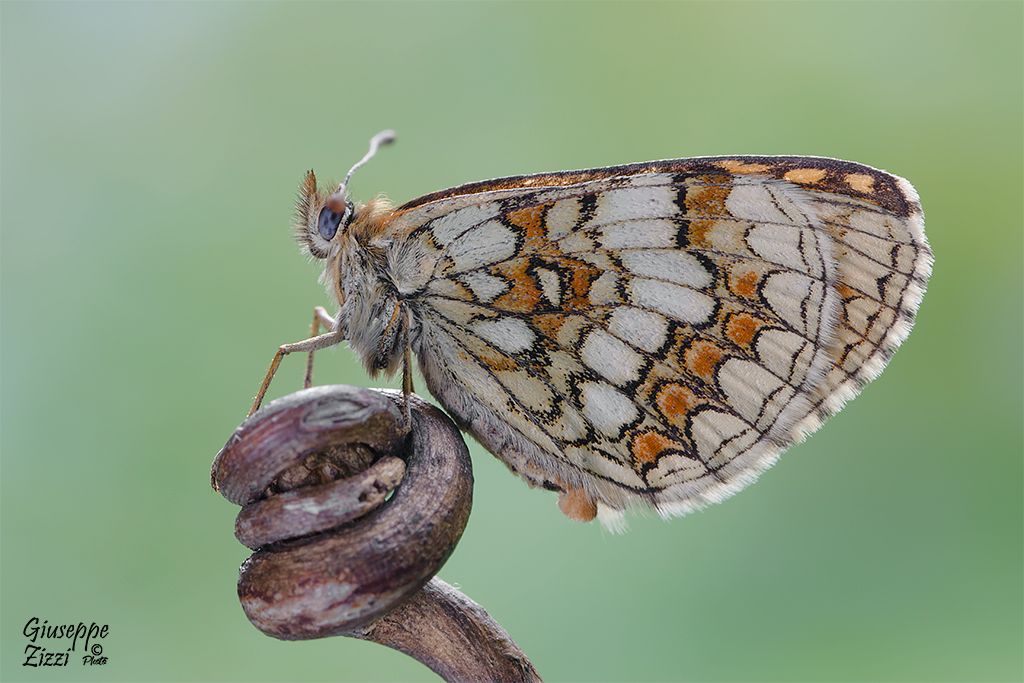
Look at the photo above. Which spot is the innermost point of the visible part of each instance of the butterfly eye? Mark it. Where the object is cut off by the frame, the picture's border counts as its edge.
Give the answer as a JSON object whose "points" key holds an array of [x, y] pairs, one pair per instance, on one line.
{"points": [[328, 222]]}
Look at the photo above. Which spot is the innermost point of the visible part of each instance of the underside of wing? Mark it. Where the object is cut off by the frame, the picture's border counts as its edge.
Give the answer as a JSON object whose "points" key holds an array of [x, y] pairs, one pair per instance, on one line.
{"points": [[659, 332]]}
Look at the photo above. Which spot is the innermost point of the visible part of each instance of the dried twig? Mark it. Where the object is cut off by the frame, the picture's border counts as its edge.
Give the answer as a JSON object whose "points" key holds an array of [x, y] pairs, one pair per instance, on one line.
{"points": [[336, 556]]}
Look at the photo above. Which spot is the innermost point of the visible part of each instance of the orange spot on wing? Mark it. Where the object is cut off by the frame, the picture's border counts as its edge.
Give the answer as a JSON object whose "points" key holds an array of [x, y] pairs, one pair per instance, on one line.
{"points": [[714, 179], [701, 359], [497, 361], [649, 445], [675, 401], [524, 294], [745, 285], [861, 182], [698, 234], [742, 328], [583, 275], [804, 176], [846, 291], [549, 324], [705, 204], [737, 166], [708, 200], [530, 219]]}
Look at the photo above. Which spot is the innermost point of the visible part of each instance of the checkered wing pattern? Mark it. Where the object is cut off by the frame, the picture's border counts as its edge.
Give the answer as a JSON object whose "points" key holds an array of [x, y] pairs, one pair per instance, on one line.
{"points": [[660, 332]]}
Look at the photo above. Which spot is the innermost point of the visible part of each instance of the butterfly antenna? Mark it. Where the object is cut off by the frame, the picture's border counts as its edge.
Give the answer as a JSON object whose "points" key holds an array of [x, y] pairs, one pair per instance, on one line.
{"points": [[385, 137]]}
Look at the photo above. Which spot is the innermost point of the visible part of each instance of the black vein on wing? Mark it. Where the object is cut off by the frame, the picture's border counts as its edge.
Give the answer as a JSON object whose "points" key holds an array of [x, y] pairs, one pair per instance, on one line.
{"points": [[714, 402]]}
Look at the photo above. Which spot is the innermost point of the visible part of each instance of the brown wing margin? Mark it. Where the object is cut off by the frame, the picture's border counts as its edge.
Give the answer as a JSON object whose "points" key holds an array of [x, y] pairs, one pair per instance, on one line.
{"points": [[815, 173]]}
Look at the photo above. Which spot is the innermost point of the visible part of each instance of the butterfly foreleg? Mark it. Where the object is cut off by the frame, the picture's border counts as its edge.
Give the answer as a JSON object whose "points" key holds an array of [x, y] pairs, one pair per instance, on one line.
{"points": [[308, 345], [407, 386], [320, 318]]}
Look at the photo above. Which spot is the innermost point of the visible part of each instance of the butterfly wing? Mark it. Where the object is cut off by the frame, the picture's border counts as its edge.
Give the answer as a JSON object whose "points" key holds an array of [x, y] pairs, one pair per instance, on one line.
{"points": [[659, 332]]}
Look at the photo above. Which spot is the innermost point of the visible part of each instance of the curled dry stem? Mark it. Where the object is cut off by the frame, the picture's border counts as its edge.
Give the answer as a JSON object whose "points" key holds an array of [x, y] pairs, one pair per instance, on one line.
{"points": [[352, 510]]}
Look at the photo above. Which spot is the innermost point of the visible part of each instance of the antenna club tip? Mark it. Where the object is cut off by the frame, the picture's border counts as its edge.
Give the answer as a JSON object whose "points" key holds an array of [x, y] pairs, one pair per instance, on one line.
{"points": [[382, 138]]}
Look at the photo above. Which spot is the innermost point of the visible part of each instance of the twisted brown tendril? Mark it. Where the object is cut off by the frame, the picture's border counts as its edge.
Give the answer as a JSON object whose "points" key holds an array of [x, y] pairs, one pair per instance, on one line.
{"points": [[352, 507]]}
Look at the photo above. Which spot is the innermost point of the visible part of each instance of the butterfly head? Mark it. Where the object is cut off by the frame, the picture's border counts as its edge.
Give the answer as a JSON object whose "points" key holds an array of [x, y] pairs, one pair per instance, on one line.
{"points": [[322, 216]]}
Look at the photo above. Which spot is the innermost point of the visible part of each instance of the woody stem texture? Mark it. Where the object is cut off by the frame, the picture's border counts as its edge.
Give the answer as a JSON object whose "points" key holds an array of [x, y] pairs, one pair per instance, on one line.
{"points": [[352, 504]]}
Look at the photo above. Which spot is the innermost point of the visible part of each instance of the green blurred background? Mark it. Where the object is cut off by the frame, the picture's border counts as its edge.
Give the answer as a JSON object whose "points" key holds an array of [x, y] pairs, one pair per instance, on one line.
{"points": [[150, 155]]}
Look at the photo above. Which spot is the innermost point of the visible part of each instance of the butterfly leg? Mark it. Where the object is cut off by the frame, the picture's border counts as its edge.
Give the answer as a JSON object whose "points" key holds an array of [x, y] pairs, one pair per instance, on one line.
{"points": [[407, 387], [320, 318], [312, 344]]}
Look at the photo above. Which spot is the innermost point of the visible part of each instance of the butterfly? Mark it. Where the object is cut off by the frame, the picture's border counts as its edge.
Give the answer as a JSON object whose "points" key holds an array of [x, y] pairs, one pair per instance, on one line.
{"points": [[647, 335]]}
